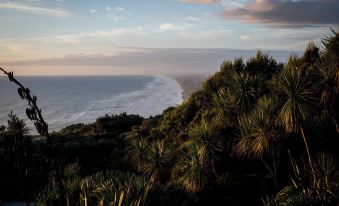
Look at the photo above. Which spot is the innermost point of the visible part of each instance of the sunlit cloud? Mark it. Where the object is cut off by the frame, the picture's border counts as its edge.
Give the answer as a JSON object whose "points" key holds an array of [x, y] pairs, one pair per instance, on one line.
{"points": [[75, 38], [35, 9], [287, 13], [46, 47], [201, 1], [114, 33]]}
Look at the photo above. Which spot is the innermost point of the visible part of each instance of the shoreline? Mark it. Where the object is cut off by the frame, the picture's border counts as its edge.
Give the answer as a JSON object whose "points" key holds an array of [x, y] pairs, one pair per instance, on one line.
{"points": [[189, 84], [155, 94]]}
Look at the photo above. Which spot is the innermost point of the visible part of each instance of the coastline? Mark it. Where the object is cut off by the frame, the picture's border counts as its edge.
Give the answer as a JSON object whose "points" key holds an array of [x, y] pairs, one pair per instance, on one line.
{"points": [[149, 98], [190, 84], [183, 85]]}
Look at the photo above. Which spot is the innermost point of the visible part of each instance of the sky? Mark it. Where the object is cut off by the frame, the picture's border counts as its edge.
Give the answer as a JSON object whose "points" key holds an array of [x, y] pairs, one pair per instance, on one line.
{"points": [[36, 34]]}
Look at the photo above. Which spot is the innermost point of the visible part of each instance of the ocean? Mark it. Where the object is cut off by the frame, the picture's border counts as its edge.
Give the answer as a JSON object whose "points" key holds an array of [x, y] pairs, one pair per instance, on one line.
{"points": [[66, 100]]}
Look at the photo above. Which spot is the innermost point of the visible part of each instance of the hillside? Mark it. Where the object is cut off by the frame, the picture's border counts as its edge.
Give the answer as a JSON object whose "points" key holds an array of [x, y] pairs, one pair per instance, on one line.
{"points": [[259, 132]]}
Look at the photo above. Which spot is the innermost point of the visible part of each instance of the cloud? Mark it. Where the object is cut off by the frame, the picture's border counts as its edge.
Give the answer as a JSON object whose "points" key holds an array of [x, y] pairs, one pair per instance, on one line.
{"points": [[93, 11], [201, 1], [246, 37], [120, 9], [192, 18], [35, 9], [115, 9], [287, 13], [51, 46], [116, 18], [170, 27], [117, 13], [75, 38]]}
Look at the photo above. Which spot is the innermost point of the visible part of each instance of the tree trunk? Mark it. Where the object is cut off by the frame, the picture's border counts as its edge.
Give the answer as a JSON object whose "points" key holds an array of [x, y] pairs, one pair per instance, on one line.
{"points": [[267, 167], [308, 151], [273, 173]]}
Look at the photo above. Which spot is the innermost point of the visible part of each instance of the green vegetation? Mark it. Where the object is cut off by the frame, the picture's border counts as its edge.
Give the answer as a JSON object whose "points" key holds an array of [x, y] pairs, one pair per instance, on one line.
{"points": [[259, 132]]}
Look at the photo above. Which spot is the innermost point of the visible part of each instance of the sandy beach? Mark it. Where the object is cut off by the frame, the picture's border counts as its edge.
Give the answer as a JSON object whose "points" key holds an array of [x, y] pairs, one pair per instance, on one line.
{"points": [[190, 83]]}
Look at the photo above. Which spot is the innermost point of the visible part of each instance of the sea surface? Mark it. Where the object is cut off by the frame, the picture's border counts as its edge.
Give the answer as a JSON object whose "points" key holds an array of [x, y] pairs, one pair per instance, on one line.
{"points": [[82, 99]]}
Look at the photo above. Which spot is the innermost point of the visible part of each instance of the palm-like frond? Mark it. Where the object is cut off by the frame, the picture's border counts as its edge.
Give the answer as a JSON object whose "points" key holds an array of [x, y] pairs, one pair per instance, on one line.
{"points": [[137, 151], [108, 187], [204, 133], [329, 82], [258, 134], [224, 102], [156, 161], [71, 178], [327, 173], [331, 44], [193, 168], [244, 90], [311, 54], [296, 97], [102, 188], [16, 127], [222, 99], [305, 190]]}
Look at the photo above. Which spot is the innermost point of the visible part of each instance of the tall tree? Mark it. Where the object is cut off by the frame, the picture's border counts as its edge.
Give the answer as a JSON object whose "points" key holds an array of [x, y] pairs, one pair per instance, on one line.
{"points": [[258, 135], [296, 99]]}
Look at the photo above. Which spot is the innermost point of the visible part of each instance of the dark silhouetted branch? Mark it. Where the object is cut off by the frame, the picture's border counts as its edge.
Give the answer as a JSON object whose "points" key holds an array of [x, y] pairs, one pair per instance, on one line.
{"points": [[34, 114]]}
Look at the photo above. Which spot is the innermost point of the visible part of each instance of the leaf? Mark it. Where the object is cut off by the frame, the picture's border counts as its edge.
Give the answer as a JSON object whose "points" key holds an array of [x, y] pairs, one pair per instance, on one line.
{"points": [[20, 92], [45, 126], [121, 198], [33, 113], [34, 99], [27, 91], [29, 113]]}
